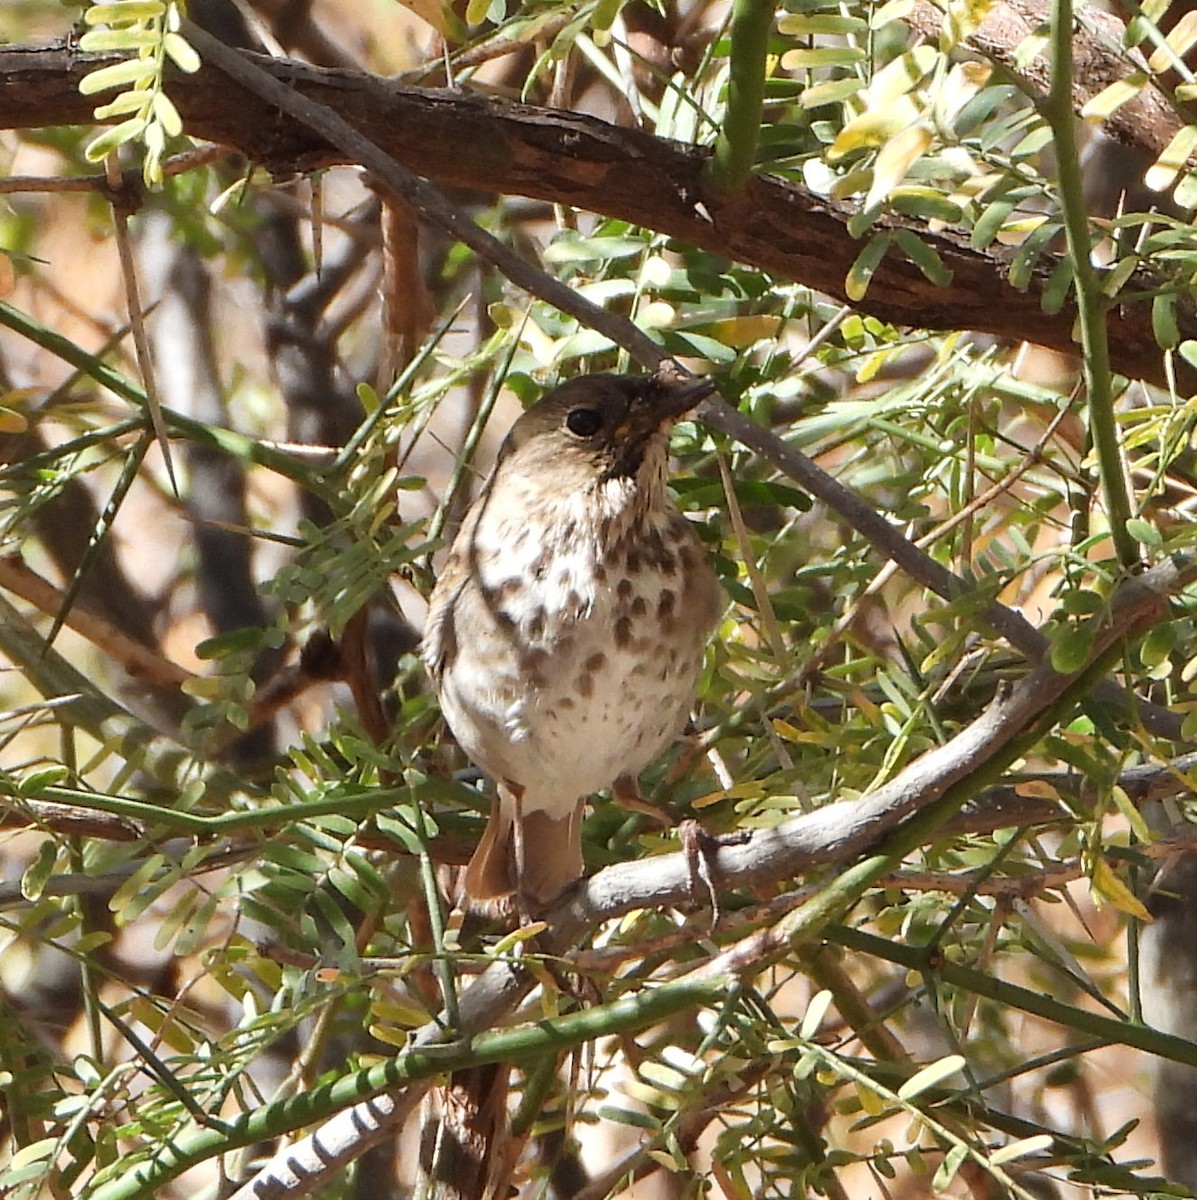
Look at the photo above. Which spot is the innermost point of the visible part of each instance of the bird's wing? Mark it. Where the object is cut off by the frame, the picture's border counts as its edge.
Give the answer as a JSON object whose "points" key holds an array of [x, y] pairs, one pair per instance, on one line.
{"points": [[439, 646]]}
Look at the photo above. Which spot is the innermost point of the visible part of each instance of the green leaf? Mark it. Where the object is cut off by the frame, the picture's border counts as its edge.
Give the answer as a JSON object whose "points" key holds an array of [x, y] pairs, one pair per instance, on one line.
{"points": [[833, 91], [36, 782], [1059, 284], [809, 24], [989, 223], [663, 1076], [1022, 266], [981, 108], [925, 203], [861, 273], [126, 102], [569, 247], [1158, 645], [123, 12], [401, 831], [351, 887], [1133, 816], [1144, 531], [822, 56], [1163, 320], [946, 1172], [1071, 648], [35, 876], [100, 41], [118, 135], [924, 256], [626, 1116], [34, 1152], [764, 493]]}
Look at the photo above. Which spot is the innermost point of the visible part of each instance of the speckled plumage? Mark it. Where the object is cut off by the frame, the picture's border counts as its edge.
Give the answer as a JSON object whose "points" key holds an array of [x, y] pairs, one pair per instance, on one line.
{"points": [[565, 634]]}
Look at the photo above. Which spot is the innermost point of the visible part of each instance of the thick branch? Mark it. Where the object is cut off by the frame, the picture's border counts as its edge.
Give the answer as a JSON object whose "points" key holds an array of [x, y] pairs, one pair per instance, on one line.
{"points": [[568, 158], [1147, 122]]}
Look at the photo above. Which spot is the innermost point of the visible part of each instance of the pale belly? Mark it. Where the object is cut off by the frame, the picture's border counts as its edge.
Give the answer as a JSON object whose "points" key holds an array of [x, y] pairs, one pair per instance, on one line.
{"points": [[598, 694]]}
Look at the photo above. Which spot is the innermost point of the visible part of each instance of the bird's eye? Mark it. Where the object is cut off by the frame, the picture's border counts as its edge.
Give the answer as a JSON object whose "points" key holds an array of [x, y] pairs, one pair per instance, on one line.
{"points": [[584, 422]]}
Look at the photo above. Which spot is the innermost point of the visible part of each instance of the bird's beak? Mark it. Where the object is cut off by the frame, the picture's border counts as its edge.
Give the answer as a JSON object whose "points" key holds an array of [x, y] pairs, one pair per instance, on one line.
{"points": [[655, 403], [671, 399], [661, 401]]}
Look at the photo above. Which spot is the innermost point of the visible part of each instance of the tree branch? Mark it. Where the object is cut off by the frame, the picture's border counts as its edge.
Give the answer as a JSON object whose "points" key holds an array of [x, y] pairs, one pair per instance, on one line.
{"points": [[568, 158], [838, 832]]}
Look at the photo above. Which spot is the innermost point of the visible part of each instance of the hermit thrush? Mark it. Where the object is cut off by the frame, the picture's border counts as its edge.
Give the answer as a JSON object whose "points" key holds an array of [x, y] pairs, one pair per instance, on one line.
{"points": [[565, 634]]}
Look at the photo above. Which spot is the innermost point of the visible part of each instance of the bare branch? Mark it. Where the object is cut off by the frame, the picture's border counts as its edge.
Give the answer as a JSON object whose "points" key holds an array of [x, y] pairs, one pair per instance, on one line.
{"points": [[139, 661], [840, 831]]}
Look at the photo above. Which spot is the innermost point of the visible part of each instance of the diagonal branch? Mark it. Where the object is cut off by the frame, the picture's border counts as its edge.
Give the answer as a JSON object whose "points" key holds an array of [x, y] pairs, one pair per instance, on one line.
{"points": [[838, 832]]}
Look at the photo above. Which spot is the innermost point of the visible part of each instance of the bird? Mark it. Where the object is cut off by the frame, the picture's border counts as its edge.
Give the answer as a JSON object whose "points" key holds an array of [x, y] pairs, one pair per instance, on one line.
{"points": [[566, 632]]}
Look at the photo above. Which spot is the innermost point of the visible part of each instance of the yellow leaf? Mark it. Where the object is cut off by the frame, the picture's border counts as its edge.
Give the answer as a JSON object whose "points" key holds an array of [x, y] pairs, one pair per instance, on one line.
{"points": [[389, 1036], [875, 127], [894, 10], [1108, 888], [432, 11], [1134, 818], [751, 790], [1180, 38], [1114, 96], [12, 421], [900, 76], [964, 18], [742, 332], [894, 159], [963, 82], [1172, 159], [665, 1160], [872, 1103], [518, 936], [867, 707]]}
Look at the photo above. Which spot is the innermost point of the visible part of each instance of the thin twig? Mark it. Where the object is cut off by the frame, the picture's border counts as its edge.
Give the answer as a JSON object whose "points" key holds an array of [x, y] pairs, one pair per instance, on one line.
{"points": [[199, 157], [1095, 345], [138, 660], [124, 246]]}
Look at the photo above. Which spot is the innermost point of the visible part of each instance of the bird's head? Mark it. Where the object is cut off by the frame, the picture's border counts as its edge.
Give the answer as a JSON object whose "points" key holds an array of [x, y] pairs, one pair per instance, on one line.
{"points": [[604, 433]]}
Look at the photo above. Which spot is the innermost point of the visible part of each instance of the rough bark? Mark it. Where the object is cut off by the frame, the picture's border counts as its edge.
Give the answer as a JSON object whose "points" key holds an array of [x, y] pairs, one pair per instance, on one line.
{"points": [[468, 140]]}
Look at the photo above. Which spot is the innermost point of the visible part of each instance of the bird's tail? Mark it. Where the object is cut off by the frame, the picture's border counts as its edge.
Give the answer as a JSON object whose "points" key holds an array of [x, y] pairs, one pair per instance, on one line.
{"points": [[551, 852]]}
